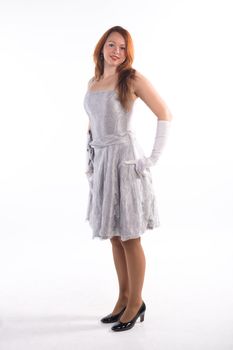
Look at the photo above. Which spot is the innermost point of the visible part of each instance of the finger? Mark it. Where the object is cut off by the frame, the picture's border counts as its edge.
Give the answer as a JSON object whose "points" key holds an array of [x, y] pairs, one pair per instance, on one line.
{"points": [[140, 169]]}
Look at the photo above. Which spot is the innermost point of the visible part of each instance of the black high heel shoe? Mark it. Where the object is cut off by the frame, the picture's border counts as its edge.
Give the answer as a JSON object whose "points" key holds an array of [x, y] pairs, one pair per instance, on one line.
{"points": [[112, 318], [124, 326]]}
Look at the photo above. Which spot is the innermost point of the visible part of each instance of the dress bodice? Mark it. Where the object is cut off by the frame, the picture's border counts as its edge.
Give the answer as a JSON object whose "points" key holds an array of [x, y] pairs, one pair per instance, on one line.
{"points": [[106, 114]]}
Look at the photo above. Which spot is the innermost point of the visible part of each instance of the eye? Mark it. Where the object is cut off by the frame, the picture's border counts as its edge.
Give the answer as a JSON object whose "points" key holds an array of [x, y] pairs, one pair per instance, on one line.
{"points": [[123, 48]]}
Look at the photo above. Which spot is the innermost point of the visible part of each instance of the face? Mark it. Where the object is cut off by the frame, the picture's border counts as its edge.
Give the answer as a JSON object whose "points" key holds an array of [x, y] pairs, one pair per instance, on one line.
{"points": [[114, 49]]}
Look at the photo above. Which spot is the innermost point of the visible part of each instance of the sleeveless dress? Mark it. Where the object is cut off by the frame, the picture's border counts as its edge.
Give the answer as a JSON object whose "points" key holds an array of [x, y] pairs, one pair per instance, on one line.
{"points": [[121, 202]]}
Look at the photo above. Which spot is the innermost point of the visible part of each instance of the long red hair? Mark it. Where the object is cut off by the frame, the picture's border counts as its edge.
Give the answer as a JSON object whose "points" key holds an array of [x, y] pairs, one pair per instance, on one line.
{"points": [[125, 70]]}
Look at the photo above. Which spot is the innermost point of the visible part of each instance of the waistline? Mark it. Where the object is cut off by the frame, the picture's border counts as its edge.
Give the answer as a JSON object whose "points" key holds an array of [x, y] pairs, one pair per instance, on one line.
{"points": [[112, 139]]}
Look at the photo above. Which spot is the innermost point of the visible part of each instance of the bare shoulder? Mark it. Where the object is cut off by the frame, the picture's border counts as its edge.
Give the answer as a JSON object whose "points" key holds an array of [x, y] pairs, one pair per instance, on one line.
{"points": [[90, 82]]}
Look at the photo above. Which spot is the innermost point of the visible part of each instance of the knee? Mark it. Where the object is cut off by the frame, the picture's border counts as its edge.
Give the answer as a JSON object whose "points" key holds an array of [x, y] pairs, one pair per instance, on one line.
{"points": [[133, 242], [116, 242]]}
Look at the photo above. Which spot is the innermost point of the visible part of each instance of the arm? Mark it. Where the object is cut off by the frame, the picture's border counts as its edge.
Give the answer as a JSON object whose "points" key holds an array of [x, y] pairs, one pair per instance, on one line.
{"points": [[89, 155], [144, 89], [89, 149]]}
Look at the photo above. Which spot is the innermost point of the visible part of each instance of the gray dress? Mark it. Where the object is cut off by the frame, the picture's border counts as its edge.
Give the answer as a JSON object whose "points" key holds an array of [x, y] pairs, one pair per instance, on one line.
{"points": [[121, 202]]}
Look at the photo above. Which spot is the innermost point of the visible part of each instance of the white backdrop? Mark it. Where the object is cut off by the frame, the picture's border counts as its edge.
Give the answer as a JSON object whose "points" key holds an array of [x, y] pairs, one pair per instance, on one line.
{"points": [[52, 272]]}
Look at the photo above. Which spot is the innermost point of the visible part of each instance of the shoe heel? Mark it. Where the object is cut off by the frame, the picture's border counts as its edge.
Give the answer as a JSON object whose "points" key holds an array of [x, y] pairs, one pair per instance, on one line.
{"points": [[142, 316]]}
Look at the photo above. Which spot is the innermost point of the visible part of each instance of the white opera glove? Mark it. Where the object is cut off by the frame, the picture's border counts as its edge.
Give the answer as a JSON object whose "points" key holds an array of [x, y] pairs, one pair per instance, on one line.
{"points": [[89, 155], [162, 130]]}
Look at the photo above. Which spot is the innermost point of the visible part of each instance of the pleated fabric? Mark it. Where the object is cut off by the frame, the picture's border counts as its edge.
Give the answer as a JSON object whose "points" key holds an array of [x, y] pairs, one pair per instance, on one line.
{"points": [[121, 202]]}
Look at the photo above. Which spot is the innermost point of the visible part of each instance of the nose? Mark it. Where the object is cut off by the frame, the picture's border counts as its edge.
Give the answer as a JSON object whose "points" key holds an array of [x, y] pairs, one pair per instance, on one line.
{"points": [[116, 50]]}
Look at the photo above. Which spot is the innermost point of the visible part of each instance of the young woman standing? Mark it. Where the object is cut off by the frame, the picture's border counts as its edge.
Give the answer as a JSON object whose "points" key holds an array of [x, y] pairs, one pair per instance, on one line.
{"points": [[122, 203]]}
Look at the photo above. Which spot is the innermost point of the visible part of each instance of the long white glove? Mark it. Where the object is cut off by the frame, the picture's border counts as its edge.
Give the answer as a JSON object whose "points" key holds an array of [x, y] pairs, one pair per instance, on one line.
{"points": [[89, 155], [141, 164]]}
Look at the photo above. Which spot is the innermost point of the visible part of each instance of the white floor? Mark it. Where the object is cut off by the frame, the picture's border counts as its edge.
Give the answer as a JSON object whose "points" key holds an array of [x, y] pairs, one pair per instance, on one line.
{"points": [[54, 292]]}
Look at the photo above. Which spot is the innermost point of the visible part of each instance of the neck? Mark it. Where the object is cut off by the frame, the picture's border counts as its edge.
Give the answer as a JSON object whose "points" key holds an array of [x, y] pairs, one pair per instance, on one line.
{"points": [[109, 72]]}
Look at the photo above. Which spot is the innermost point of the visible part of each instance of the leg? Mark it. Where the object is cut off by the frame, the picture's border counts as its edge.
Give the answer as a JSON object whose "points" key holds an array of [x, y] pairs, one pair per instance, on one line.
{"points": [[136, 264], [122, 273]]}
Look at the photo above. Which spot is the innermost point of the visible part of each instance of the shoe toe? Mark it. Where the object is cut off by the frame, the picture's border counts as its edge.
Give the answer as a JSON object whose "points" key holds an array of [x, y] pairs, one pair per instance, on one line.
{"points": [[107, 319], [112, 318]]}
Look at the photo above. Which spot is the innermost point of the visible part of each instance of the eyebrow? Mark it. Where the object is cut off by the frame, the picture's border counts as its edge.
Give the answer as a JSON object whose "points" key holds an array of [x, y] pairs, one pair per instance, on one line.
{"points": [[114, 42]]}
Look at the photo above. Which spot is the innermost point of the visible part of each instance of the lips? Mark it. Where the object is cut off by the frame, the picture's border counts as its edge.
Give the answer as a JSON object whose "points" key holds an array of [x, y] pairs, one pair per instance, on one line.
{"points": [[115, 57]]}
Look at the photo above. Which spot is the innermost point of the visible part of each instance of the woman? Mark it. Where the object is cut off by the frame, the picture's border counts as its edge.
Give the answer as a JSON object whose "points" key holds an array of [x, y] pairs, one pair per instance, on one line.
{"points": [[122, 203]]}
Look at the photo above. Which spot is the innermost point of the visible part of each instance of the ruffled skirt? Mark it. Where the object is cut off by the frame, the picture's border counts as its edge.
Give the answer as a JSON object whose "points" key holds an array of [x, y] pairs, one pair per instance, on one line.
{"points": [[121, 202]]}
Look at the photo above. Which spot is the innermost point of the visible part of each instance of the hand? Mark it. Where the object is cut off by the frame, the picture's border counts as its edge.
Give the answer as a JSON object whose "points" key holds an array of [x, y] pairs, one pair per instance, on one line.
{"points": [[89, 170], [140, 164], [89, 174]]}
